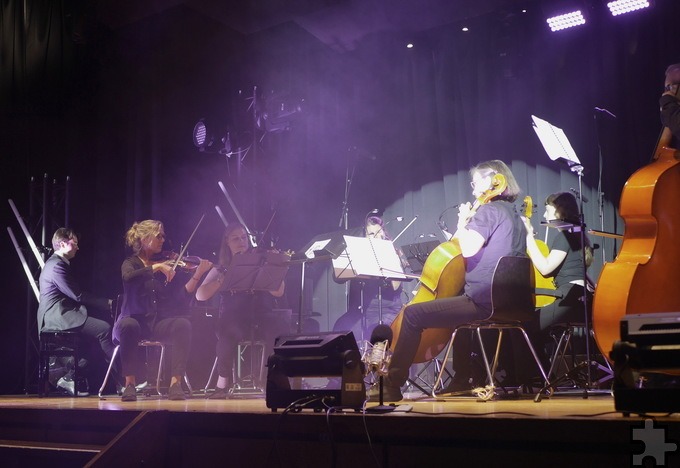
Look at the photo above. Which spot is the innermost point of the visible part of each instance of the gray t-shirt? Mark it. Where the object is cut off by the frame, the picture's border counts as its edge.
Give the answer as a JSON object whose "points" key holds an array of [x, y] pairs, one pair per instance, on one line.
{"points": [[504, 234]]}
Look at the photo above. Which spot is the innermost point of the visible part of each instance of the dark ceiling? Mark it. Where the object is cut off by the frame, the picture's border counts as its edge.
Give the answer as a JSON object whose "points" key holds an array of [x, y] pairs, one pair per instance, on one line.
{"points": [[340, 24]]}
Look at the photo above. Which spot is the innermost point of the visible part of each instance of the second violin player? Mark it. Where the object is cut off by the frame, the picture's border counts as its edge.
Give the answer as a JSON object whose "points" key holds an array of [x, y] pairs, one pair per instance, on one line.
{"points": [[239, 311]]}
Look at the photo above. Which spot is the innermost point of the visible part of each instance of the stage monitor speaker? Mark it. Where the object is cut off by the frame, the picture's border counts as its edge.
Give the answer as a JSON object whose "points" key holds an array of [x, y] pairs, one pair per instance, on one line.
{"points": [[661, 367], [327, 354]]}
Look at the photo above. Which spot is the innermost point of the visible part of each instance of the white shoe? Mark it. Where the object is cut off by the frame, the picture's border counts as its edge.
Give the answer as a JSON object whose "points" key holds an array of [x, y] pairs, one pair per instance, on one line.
{"points": [[70, 387]]}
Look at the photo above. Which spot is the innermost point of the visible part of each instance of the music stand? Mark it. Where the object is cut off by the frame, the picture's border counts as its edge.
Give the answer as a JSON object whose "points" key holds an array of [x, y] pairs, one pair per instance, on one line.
{"points": [[251, 272], [558, 148], [321, 247], [367, 258]]}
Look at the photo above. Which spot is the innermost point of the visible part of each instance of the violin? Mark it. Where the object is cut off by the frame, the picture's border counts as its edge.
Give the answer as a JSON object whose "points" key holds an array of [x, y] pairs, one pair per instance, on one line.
{"points": [[186, 263]]}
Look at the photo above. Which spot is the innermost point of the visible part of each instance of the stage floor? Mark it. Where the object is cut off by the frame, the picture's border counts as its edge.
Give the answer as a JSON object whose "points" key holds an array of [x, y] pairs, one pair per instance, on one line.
{"points": [[599, 406], [563, 431]]}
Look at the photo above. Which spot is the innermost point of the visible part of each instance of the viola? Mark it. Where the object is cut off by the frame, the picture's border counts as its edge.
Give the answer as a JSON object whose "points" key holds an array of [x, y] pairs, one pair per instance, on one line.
{"points": [[443, 276], [540, 281]]}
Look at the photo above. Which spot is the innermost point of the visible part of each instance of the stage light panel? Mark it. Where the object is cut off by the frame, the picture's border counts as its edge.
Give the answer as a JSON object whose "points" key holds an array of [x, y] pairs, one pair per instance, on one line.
{"points": [[566, 20], [620, 7]]}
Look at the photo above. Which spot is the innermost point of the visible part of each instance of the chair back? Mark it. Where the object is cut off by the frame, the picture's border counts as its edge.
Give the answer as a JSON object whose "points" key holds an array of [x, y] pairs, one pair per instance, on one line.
{"points": [[512, 290], [117, 307]]}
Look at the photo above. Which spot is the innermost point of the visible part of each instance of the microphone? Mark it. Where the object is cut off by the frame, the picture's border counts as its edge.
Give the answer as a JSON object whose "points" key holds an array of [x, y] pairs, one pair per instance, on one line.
{"points": [[577, 193], [604, 111], [377, 355]]}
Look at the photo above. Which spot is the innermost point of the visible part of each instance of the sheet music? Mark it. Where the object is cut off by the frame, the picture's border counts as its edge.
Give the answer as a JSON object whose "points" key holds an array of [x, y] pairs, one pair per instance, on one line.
{"points": [[368, 258], [318, 245], [554, 141]]}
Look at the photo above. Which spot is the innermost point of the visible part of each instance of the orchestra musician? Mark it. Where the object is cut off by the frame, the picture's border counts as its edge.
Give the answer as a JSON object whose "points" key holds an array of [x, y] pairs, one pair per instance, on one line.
{"points": [[364, 304], [493, 231], [156, 294], [670, 101], [64, 305], [564, 263], [238, 310]]}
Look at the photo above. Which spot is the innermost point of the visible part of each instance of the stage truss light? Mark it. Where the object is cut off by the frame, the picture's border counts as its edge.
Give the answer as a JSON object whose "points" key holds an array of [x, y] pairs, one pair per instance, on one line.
{"points": [[620, 7], [203, 138], [566, 20]]}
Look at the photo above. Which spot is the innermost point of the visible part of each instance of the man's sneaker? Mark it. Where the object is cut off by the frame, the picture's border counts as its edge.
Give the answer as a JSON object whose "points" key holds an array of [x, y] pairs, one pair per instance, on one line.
{"points": [[129, 394], [175, 392]]}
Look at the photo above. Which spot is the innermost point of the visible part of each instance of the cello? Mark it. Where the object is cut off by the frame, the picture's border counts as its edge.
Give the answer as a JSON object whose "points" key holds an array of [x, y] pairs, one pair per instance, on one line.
{"points": [[540, 281], [642, 279], [443, 276]]}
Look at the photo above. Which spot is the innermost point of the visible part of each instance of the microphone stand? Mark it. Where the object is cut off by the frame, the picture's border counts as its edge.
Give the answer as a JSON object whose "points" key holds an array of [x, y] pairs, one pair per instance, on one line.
{"points": [[344, 217], [381, 407], [578, 169]]}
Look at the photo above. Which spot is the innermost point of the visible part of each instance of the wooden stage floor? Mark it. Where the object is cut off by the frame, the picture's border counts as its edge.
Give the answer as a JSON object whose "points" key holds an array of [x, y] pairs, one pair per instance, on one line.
{"points": [[560, 431]]}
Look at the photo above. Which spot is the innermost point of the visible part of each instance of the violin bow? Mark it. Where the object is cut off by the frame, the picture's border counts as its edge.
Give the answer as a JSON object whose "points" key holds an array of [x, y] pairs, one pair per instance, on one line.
{"points": [[253, 240], [184, 249], [403, 230]]}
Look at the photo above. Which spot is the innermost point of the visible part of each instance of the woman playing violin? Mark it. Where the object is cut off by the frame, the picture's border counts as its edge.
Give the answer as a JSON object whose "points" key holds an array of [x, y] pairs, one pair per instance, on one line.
{"points": [[155, 293], [239, 311], [493, 231]]}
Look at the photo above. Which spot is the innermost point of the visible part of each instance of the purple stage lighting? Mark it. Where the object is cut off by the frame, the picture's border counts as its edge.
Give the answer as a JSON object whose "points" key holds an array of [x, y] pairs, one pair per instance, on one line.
{"points": [[620, 7], [567, 20]]}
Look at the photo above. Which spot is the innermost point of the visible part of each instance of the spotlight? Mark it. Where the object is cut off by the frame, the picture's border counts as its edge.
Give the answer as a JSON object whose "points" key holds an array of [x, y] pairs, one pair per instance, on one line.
{"points": [[203, 136], [620, 7], [566, 20], [209, 141]]}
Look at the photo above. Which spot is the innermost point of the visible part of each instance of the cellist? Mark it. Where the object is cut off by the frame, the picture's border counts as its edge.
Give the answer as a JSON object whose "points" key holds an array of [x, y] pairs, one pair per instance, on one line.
{"points": [[492, 231]]}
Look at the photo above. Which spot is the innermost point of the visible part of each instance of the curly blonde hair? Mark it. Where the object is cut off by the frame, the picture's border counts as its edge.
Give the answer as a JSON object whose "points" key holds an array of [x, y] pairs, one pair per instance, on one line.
{"points": [[140, 231]]}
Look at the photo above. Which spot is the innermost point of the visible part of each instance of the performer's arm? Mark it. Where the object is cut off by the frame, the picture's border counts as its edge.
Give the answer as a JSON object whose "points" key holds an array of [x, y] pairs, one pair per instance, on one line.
{"points": [[279, 292], [545, 265], [192, 285], [470, 241], [211, 284]]}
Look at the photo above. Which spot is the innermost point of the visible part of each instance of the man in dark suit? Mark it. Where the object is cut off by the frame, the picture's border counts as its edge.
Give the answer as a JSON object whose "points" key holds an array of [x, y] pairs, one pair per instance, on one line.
{"points": [[63, 305]]}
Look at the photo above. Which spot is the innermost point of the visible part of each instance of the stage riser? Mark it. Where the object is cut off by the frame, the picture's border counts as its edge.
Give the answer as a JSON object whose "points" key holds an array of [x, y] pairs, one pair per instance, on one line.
{"points": [[15, 457], [304, 439]]}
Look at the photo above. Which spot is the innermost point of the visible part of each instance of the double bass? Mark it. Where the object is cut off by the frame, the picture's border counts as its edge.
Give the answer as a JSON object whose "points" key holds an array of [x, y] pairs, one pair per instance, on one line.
{"points": [[643, 277], [443, 276]]}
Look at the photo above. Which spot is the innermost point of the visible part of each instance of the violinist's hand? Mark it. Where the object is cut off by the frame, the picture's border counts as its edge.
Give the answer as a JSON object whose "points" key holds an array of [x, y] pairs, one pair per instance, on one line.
{"points": [[203, 267], [464, 210], [166, 269], [529, 227]]}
